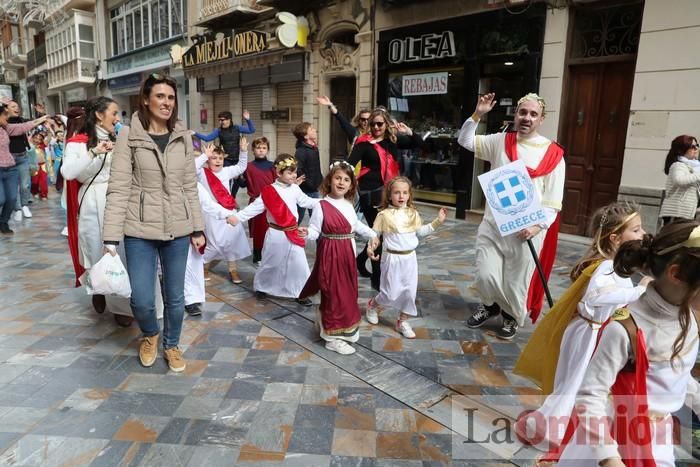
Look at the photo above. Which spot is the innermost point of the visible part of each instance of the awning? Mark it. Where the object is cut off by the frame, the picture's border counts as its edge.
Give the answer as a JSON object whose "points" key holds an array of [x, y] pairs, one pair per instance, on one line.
{"points": [[237, 64]]}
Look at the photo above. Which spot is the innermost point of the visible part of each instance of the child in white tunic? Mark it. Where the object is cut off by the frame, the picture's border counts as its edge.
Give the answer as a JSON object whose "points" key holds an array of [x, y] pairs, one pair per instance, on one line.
{"points": [[224, 242], [283, 269], [568, 334], [400, 225], [644, 358], [194, 273]]}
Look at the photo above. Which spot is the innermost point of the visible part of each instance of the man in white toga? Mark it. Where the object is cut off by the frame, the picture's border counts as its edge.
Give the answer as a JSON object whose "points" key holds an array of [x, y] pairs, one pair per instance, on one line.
{"points": [[504, 264]]}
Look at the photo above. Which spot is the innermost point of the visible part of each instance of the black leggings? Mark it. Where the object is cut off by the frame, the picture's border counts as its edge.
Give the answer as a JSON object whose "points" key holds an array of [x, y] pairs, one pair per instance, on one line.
{"points": [[370, 213]]}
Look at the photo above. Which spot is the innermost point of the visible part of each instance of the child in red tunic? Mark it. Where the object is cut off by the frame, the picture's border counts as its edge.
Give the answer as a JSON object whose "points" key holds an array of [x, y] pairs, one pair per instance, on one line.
{"points": [[335, 270], [260, 173]]}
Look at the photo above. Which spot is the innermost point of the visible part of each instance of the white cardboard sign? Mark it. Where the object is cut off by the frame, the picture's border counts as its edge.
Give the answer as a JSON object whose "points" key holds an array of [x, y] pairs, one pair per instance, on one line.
{"points": [[512, 197]]}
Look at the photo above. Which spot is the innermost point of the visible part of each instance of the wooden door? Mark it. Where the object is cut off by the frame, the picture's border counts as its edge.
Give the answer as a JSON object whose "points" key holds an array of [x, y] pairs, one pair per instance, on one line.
{"points": [[594, 139], [343, 96]]}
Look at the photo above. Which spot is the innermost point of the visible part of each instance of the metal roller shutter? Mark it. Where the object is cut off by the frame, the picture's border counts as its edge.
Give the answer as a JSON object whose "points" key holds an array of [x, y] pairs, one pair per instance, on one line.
{"points": [[289, 95], [251, 98]]}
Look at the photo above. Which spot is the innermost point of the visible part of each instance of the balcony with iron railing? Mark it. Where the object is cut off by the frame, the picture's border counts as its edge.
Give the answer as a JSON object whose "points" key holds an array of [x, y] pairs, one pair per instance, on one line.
{"points": [[14, 53], [36, 57], [232, 12]]}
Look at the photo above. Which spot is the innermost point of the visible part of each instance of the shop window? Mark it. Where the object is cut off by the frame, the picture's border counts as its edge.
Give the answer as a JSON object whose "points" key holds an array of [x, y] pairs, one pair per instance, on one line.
{"points": [[429, 101]]}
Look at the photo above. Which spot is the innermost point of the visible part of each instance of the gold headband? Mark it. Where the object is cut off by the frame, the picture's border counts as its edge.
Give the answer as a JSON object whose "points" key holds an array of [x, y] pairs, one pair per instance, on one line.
{"points": [[692, 242], [533, 97], [624, 222], [286, 164]]}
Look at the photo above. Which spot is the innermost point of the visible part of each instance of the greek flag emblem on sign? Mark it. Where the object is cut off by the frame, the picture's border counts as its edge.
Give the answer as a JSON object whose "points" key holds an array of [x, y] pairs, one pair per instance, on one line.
{"points": [[510, 192], [512, 197]]}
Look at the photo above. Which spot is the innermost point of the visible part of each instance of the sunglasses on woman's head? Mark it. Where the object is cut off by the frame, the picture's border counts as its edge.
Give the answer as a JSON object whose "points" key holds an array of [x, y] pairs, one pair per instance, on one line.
{"points": [[694, 146], [378, 124], [163, 78], [363, 119]]}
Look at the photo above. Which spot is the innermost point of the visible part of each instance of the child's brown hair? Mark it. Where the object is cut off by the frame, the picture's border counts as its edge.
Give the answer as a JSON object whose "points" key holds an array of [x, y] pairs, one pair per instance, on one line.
{"points": [[284, 162], [607, 221], [677, 243], [301, 130], [348, 170], [386, 197], [261, 140]]}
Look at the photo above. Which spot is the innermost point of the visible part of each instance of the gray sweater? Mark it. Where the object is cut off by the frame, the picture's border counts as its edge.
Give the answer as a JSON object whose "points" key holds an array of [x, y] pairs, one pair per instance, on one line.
{"points": [[682, 185]]}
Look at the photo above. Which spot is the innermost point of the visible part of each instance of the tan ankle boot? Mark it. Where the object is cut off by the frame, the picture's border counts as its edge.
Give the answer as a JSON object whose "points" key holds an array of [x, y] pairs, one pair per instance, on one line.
{"points": [[233, 271]]}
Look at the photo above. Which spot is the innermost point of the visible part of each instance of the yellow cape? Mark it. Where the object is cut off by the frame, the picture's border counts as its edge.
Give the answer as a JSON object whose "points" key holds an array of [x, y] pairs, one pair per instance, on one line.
{"points": [[538, 360]]}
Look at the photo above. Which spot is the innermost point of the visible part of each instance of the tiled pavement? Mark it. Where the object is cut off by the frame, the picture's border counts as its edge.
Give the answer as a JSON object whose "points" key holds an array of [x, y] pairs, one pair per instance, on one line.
{"points": [[260, 388]]}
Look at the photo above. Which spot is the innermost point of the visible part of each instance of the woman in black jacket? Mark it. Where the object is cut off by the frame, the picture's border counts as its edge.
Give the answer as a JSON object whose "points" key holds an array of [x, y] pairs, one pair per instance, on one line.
{"points": [[378, 152]]}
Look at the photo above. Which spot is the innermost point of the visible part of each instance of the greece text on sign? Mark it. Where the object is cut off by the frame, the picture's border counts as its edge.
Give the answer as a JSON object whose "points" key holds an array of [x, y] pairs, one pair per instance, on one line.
{"points": [[512, 197], [224, 45], [428, 83]]}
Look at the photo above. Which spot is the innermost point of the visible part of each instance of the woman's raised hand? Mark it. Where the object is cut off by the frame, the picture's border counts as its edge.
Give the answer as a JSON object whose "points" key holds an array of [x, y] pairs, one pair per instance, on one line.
{"points": [[243, 144]]}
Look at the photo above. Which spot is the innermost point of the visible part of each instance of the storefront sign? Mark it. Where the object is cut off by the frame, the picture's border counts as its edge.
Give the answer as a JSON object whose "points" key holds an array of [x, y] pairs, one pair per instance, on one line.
{"points": [[279, 114], [425, 47], [428, 83], [214, 47], [151, 56], [128, 81], [512, 197]]}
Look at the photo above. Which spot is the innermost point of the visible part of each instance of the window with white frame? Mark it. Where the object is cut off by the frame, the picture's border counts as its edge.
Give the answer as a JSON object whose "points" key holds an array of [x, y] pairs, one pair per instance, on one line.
{"points": [[138, 23]]}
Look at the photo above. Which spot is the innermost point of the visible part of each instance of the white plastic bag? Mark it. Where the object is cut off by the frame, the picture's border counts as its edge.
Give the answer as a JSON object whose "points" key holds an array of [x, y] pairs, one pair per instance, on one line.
{"points": [[107, 277]]}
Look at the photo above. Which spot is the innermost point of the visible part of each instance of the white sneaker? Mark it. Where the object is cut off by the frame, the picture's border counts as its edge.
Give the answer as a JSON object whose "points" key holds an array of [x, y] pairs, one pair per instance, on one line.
{"points": [[404, 328], [64, 232], [342, 347], [257, 264], [371, 315], [17, 216], [27, 213]]}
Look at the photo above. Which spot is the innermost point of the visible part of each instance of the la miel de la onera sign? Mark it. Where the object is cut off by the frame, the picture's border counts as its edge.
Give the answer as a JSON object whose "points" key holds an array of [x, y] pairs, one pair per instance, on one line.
{"points": [[217, 46]]}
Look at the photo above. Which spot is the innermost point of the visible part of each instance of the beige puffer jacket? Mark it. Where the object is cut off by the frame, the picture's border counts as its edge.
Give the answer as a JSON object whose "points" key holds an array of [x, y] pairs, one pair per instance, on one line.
{"points": [[152, 195]]}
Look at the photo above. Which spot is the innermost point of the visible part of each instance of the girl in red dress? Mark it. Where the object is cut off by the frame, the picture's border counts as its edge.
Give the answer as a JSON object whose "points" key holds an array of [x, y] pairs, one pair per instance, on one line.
{"points": [[335, 271]]}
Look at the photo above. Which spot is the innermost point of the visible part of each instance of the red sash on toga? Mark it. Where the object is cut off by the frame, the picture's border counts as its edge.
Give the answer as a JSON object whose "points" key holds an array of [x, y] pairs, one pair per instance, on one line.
{"points": [[280, 212], [335, 275], [388, 165], [72, 212], [629, 396], [258, 175], [221, 194], [549, 162]]}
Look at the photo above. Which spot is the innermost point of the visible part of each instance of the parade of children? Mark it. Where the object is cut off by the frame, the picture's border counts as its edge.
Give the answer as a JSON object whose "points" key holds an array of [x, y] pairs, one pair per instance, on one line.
{"points": [[618, 342]]}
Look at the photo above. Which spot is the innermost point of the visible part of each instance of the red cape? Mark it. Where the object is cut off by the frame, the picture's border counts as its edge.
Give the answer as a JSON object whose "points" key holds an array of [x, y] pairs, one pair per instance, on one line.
{"points": [[72, 188], [551, 159], [283, 217]]}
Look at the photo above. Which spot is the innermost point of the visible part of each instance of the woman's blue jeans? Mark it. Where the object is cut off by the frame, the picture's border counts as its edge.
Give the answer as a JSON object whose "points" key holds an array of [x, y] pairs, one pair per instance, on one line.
{"points": [[141, 264]]}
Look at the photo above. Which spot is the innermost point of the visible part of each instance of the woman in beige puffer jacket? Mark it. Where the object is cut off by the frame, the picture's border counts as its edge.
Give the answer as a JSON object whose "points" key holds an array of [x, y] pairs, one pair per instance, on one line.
{"points": [[152, 203]]}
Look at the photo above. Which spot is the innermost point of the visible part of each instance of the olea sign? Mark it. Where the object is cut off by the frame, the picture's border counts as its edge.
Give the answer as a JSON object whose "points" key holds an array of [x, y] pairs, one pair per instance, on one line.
{"points": [[214, 47], [425, 47], [512, 197], [426, 83]]}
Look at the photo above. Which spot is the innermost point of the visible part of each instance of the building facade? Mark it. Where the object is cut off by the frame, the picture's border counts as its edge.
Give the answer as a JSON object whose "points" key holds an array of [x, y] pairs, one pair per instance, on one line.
{"points": [[616, 77]]}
